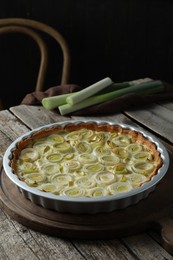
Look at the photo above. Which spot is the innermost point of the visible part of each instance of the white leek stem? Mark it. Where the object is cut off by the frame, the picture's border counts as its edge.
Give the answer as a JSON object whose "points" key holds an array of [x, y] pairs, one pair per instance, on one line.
{"points": [[89, 91], [55, 101]]}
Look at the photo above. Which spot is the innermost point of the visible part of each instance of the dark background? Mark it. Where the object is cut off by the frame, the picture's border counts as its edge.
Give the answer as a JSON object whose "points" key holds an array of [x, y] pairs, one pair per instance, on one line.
{"points": [[122, 39]]}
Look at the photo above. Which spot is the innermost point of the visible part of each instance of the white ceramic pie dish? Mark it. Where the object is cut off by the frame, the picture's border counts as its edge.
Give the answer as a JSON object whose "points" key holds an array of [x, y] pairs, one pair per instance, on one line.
{"points": [[86, 205]]}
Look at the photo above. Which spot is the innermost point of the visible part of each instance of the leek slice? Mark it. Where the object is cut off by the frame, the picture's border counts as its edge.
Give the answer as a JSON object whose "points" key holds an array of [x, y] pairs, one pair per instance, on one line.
{"points": [[109, 159], [135, 178], [119, 187], [63, 147], [121, 140], [72, 166], [143, 167], [54, 157], [48, 187], [74, 136], [86, 134], [97, 192], [134, 148], [56, 138], [26, 167], [33, 179], [141, 156], [42, 148], [61, 179], [102, 150], [105, 178], [74, 192], [83, 147], [87, 158], [120, 169], [49, 168], [122, 153], [29, 154], [85, 182], [99, 138], [93, 168]]}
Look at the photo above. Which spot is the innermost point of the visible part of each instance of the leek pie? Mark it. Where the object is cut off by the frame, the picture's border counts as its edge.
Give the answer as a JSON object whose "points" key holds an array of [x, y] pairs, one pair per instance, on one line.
{"points": [[86, 159]]}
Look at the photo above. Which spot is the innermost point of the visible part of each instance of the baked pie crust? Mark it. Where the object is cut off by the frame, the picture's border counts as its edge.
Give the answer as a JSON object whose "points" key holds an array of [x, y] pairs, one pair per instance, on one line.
{"points": [[86, 159]]}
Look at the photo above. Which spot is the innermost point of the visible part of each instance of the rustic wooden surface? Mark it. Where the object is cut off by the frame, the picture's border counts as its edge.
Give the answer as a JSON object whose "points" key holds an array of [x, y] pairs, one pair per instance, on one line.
{"points": [[19, 242]]}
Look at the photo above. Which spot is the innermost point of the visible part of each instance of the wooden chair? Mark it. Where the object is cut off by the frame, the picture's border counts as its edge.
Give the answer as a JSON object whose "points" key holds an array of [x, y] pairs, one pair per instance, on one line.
{"points": [[32, 29]]}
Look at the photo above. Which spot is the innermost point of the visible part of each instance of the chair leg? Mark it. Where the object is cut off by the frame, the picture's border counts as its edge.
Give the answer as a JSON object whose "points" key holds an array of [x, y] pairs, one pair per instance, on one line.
{"points": [[1, 105]]}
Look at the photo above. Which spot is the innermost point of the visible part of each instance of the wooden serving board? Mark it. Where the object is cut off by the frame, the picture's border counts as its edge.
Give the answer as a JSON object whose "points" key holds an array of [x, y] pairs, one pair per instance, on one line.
{"points": [[154, 212]]}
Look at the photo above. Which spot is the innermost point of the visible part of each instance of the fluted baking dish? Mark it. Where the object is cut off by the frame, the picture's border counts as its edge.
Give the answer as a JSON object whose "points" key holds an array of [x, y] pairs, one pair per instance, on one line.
{"points": [[78, 205]]}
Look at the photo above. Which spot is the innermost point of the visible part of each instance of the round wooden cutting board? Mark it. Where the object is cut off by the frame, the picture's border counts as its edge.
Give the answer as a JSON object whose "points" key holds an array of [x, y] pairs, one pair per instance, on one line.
{"points": [[154, 212]]}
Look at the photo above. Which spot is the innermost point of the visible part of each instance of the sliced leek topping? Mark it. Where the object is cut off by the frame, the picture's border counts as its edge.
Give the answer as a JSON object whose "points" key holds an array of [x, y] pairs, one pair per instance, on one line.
{"points": [[54, 157], [63, 147], [43, 148], [136, 178], [141, 156], [33, 179], [72, 166], [48, 187], [93, 168], [69, 156], [61, 179], [74, 192], [122, 153], [97, 192], [143, 167], [109, 159], [83, 147], [56, 138], [120, 168], [26, 167], [134, 148], [29, 155], [86, 134], [86, 163], [102, 150], [119, 187], [87, 158], [121, 140], [105, 178], [49, 168], [99, 138], [85, 182], [73, 136]]}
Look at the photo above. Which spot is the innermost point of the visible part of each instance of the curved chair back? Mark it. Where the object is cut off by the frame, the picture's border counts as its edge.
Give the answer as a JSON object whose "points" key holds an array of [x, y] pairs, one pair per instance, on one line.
{"points": [[32, 28]]}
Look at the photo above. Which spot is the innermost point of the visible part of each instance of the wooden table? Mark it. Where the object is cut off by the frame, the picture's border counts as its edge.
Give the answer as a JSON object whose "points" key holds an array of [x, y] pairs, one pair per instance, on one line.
{"points": [[17, 241]]}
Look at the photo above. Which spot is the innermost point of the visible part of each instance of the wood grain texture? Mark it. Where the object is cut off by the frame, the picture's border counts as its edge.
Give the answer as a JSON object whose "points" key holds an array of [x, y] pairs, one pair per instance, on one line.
{"points": [[20, 242], [157, 118]]}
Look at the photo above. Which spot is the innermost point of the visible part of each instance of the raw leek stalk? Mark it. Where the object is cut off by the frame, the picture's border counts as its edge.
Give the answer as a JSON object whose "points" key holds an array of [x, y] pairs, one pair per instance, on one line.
{"points": [[55, 101], [89, 91], [149, 87]]}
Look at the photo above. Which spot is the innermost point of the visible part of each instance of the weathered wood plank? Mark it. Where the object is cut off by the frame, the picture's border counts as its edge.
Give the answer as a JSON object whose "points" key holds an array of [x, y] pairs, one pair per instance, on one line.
{"points": [[144, 248], [101, 250], [155, 117], [24, 243], [11, 126], [36, 116]]}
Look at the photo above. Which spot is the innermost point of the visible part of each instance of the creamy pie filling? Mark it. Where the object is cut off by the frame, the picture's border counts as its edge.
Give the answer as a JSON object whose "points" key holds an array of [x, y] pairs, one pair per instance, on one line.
{"points": [[86, 160]]}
